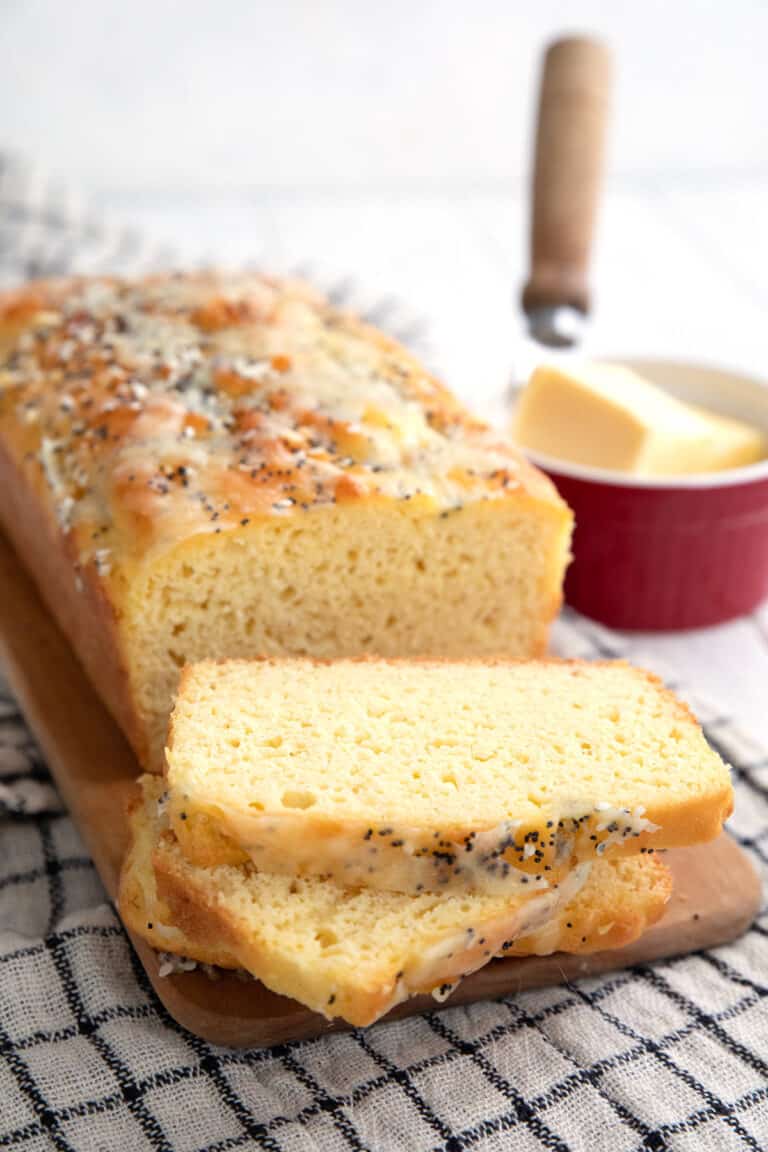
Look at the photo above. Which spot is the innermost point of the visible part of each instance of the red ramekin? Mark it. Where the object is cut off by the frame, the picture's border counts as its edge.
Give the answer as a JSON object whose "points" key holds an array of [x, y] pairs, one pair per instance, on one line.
{"points": [[673, 552]]}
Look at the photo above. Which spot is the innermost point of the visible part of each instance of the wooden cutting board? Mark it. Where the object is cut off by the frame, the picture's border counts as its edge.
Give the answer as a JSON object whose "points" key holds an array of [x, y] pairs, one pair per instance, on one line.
{"points": [[717, 893]]}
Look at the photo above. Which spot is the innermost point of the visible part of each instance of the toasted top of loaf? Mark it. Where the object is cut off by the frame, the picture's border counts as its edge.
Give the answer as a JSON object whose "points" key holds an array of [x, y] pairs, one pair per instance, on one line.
{"points": [[356, 953], [147, 412], [435, 775]]}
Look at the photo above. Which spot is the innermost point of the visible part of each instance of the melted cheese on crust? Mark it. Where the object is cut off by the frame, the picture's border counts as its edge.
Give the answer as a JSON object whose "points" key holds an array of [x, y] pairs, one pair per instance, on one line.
{"points": [[149, 412]]}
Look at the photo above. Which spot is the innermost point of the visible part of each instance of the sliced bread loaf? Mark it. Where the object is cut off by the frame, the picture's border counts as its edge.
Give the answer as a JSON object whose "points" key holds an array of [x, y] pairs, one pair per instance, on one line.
{"points": [[223, 464], [435, 776], [352, 953]]}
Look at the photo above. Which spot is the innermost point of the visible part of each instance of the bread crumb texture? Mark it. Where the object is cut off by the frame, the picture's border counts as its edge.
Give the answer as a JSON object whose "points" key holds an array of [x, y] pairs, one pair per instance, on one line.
{"points": [[355, 953], [242, 469], [430, 776]]}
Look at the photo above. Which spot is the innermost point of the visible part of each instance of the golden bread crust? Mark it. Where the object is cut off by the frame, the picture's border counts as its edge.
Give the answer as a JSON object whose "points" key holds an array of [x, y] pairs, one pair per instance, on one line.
{"points": [[141, 909], [144, 413], [623, 900], [76, 598]]}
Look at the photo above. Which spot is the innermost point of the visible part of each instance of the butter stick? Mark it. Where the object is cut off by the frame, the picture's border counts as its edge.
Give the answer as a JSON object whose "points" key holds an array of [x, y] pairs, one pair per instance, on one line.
{"points": [[607, 416]]}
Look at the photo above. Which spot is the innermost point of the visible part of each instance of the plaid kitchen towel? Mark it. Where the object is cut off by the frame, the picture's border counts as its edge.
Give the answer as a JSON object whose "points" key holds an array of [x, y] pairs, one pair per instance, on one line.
{"points": [[45, 230], [669, 1056]]}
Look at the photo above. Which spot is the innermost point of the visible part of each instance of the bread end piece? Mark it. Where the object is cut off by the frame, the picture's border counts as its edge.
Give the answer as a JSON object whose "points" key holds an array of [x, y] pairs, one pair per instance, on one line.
{"points": [[465, 775], [221, 916]]}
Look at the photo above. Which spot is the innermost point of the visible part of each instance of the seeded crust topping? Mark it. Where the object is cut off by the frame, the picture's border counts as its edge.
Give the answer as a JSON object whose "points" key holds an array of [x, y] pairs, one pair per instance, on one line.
{"points": [[156, 410], [508, 858]]}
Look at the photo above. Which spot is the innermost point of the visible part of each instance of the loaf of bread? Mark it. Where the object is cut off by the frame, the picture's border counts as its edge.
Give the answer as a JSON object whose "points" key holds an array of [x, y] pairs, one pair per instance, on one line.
{"points": [[435, 776], [207, 466], [356, 953]]}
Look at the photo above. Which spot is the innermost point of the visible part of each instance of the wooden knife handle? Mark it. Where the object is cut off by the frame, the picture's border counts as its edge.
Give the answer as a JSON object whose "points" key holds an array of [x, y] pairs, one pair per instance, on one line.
{"points": [[574, 97]]}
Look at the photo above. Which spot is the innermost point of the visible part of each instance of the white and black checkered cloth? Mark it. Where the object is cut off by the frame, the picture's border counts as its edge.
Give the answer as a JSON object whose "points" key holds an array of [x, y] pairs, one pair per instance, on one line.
{"points": [[669, 1056], [45, 230]]}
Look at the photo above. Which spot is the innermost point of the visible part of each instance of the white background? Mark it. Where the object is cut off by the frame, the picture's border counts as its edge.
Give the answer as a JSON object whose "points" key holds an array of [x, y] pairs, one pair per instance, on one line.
{"points": [[393, 94], [390, 141]]}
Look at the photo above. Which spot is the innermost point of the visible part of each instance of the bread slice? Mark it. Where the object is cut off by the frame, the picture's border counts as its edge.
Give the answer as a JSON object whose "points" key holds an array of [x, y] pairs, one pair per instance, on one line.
{"points": [[222, 464], [357, 953], [451, 776], [619, 901], [346, 952], [141, 908]]}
